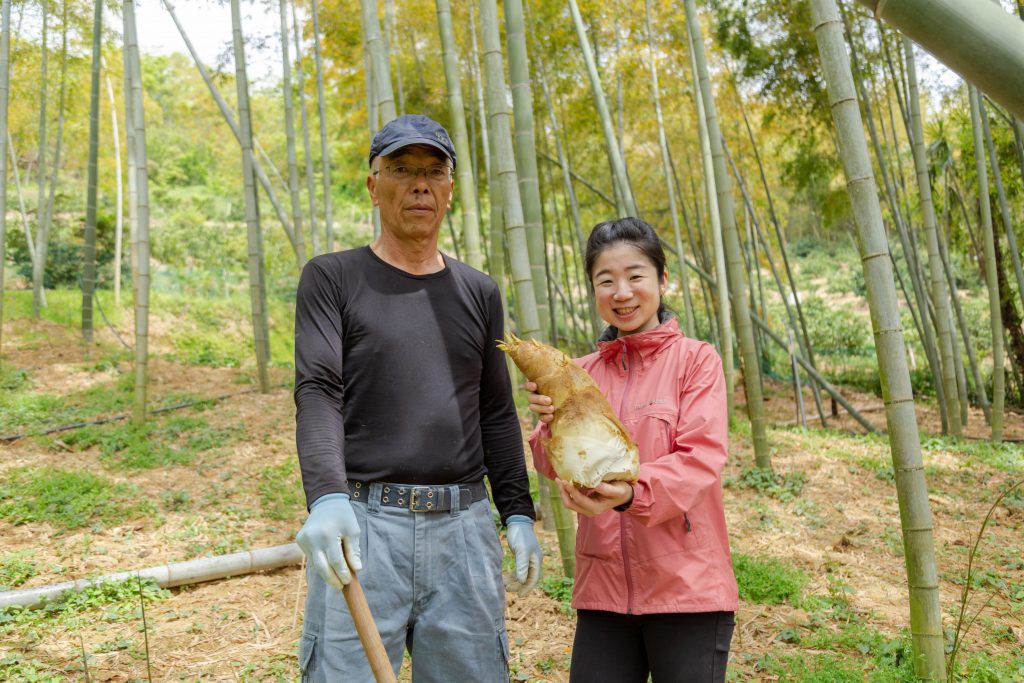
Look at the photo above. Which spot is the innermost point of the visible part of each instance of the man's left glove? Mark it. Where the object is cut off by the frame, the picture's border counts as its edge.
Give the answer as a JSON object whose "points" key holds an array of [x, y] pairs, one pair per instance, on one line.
{"points": [[526, 550], [330, 527]]}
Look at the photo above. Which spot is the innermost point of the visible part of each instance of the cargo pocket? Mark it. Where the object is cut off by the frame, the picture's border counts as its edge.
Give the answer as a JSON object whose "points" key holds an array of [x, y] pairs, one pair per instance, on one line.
{"points": [[503, 654], [307, 661]]}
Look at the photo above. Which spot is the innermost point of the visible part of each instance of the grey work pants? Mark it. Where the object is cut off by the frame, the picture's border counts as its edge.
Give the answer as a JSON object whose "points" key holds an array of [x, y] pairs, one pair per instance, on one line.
{"points": [[434, 586]]}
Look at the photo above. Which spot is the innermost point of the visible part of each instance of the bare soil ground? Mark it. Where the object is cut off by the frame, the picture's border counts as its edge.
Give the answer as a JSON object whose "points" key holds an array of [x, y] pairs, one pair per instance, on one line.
{"points": [[843, 528]]}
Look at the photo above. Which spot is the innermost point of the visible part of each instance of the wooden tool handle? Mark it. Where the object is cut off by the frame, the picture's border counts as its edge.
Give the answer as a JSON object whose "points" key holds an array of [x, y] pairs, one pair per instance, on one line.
{"points": [[368, 633]]}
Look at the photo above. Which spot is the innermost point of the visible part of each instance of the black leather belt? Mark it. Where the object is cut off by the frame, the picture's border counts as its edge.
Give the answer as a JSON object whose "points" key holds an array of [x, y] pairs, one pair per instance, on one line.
{"points": [[419, 497]]}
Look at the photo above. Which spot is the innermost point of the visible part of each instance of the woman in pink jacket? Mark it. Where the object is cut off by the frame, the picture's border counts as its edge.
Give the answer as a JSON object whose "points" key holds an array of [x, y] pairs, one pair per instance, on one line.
{"points": [[654, 588]]}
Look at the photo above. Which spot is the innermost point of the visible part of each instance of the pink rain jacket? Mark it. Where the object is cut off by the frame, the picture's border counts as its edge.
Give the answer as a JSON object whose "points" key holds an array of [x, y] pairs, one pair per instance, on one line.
{"points": [[669, 551]]}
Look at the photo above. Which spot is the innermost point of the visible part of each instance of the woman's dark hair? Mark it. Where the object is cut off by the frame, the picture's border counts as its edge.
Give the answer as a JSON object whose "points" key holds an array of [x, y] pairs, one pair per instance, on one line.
{"points": [[632, 231]]}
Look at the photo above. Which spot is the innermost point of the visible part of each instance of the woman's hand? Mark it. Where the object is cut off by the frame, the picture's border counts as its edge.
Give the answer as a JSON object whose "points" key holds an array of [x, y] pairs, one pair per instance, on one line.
{"points": [[591, 502], [539, 403]]}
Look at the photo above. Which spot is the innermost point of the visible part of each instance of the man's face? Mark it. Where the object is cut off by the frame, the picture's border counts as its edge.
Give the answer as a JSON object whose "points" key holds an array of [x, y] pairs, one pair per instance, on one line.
{"points": [[413, 206]]}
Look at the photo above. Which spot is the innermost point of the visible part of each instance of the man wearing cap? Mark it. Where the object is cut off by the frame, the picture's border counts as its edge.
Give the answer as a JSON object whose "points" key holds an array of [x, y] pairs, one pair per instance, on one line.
{"points": [[403, 404]]}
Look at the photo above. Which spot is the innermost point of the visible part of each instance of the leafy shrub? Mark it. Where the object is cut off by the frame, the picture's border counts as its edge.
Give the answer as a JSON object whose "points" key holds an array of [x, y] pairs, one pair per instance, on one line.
{"points": [[64, 254], [836, 330], [559, 588]]}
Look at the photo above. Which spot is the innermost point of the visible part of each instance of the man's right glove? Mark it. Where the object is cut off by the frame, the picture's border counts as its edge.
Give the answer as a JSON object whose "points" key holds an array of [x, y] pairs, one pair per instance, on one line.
{"points": [[331, 525]]}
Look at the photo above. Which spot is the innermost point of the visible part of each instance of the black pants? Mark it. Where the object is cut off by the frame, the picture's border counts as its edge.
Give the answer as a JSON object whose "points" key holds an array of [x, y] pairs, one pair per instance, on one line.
{"points": [[672, 648]]}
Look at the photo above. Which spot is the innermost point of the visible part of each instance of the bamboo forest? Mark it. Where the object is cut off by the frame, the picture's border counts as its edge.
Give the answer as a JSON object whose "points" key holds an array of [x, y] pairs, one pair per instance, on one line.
{"points": [[838, 186]]}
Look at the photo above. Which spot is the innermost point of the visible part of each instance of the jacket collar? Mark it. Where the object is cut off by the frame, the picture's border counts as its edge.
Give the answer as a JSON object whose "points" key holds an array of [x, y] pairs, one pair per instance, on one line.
{"points": [[643, 345]]}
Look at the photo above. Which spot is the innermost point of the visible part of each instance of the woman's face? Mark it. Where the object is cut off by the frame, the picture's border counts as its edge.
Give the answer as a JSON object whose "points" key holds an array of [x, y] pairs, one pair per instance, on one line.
{"points": [[627, 288]]}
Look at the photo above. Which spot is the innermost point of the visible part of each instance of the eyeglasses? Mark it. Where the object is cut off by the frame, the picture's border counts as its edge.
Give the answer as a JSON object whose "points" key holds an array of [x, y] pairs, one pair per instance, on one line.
{"points": [[403, 172]]}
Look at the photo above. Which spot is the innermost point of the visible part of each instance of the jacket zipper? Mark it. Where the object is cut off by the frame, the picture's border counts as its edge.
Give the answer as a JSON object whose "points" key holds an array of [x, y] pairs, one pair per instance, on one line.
{"points": [[627, 365]]}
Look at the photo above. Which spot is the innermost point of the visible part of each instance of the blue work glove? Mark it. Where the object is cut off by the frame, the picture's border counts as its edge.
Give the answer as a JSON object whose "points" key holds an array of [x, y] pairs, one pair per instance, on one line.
{"points": [[331, 525], [526, 550]]}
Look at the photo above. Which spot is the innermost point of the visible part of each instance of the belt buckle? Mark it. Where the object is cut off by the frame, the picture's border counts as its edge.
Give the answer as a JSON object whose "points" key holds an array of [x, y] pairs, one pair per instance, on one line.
{"points": [[423, 499]]}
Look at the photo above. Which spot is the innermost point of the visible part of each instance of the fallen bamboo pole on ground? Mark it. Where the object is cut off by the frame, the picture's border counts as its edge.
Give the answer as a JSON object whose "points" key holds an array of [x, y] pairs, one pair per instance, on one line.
{"points": [[167, 576]]}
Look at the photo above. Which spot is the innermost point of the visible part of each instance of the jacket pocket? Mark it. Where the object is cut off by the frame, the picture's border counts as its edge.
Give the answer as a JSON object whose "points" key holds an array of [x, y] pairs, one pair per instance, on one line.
{"points": [[653, 429], [503, 652], [680, 536], [307, 652], [598, 537]]}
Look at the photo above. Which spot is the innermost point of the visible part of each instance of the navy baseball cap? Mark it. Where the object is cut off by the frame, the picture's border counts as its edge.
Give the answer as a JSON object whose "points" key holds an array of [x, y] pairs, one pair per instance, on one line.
{"points": [[411, 129]]}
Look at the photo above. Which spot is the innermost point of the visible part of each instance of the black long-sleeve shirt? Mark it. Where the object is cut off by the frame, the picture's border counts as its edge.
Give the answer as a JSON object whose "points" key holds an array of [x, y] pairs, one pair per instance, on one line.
{"points": [[398, 378]]}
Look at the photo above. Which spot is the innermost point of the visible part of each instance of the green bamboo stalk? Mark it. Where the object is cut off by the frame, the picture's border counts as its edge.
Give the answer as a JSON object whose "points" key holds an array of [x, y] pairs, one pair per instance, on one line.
{"points": [[965, 336], [467, 183], [47, 209], [580, 243], [325, 156], [225, 111], [625, 204], [925, 330], [684, 283], [504, 171], [300, 83], [991, 276], [478, 81], [759, 234], [512, 208], [975, 38], [254, 234], [133, 177], [954, 295], [814, 374], [897, 394], [803, 338], [39, 257], [5, 90], [526, 154], [1004, 207], [390, 19], [939, 291], [289, 129], [715, 226], [89, 243], [383, 93], [733, 251], [140, 267], [118, 190]]}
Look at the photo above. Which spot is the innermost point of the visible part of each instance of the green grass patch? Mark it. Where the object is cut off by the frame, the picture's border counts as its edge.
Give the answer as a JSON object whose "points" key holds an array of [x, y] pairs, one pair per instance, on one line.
{"points": [[1008, 457], [767, 580], [19, 410], [12, 378], [784, 487], [16, 569], [108, 601], [209, 349], [207, 341], [834, 667], [280, 488], [68, 499], [174, 441]]}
